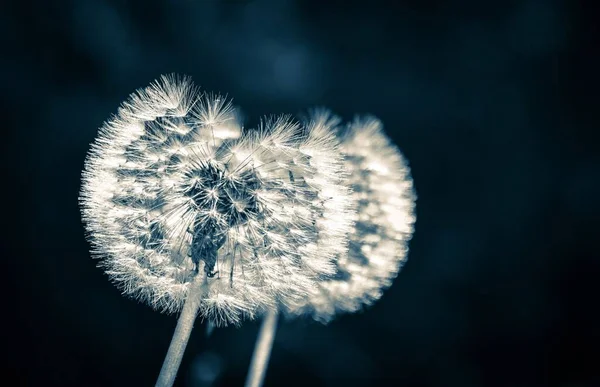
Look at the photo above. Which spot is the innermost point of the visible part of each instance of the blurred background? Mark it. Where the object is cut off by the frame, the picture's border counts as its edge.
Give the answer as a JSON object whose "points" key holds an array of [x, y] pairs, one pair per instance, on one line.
{"points": [[495, 105]]}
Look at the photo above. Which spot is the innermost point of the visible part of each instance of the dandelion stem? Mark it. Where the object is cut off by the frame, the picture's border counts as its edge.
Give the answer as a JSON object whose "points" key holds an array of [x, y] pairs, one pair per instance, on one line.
{"points": [[262, 350], [185, 323]]}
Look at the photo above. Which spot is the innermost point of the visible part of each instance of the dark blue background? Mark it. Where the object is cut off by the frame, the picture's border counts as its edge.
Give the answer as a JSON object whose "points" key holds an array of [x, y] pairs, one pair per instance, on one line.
{"points": [[495, 104]]}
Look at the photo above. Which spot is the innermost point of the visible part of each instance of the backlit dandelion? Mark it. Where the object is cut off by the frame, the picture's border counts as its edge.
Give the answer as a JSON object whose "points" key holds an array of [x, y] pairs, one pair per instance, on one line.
{"points": [[384, 198], [180, 203]]}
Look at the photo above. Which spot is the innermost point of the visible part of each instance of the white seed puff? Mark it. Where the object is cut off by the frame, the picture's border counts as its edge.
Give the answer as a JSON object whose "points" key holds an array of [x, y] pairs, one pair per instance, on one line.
{"points": [[173, 188], [384, 199]]}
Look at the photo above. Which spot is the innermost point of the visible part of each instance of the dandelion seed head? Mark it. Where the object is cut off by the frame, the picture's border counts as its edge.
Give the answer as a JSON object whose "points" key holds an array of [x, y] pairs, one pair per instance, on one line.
{"points": [[384, 198], [173, 188]]}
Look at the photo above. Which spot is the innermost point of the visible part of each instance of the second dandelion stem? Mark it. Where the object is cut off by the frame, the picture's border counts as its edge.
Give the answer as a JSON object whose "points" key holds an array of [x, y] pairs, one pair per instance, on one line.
{"points": [[185, 323], [262, 350]]}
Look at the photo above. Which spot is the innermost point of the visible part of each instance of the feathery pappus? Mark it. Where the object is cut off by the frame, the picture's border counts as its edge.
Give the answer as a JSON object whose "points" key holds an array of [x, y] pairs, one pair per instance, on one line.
{"points": [[384, 199], [173, 187]]}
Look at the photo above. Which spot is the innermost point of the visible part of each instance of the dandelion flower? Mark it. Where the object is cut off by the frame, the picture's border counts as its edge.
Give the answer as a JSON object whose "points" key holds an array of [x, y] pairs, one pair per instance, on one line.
{"points": [[174, 191], [384, 199]]}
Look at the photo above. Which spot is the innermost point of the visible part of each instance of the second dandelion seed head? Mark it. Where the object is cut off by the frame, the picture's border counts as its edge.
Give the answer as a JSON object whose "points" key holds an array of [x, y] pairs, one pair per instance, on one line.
{"points": [[384, 198]]}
